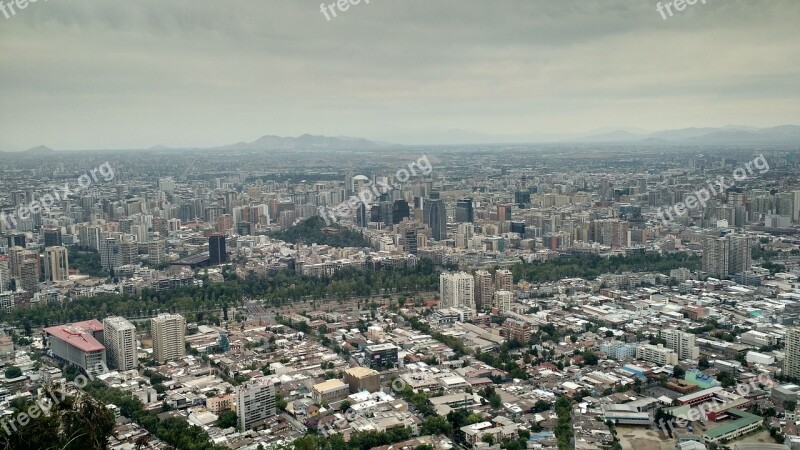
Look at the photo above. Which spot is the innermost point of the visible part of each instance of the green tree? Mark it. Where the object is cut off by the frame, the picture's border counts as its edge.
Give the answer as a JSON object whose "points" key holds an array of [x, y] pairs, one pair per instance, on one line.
{"points": [[13, 372], [227, 419]]}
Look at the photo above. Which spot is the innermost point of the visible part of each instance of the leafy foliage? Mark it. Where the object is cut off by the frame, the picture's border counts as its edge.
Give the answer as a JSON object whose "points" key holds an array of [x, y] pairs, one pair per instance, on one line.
{"points": [[315, 231]]}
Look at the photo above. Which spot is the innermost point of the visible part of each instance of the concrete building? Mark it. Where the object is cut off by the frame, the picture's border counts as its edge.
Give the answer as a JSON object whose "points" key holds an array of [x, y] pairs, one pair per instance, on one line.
{"points": [[456, 290], [715, 257], [791, 365], [739, 259], [80, 344], [120, 342], [330, 391], [503, 301], [656, 354], [362, 379], [503, 280], [682, 343], [381, 355], [56, 263], [255, 403], [483, 289], [169, 336]]}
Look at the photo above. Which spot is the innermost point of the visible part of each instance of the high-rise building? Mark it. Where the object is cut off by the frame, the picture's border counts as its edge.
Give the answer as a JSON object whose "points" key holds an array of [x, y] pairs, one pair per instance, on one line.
{"points": [[484, 289], [52, 237], [400, 211], [682, 343], [169, 336], [109, 253], [29, 275], [435, 216], [503, 280], [216, 249], [715, 256], [791, 365], [503, 212], [503, 301], [739, 259], [120, 341], [361, 215], [56, 263], [464, 210], [156, 253], [255, 403], [456, 290]]}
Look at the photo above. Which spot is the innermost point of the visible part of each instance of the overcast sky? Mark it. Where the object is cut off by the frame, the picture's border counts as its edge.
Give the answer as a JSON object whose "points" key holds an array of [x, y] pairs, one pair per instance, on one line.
{"points": [[87, 74]]}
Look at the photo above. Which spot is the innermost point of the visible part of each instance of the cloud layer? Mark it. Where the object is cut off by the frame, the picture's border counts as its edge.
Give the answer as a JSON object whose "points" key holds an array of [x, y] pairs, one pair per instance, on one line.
{"points": [[112, 74]]}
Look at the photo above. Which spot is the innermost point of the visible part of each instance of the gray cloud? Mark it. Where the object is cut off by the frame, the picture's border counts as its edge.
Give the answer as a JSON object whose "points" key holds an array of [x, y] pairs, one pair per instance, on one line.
{"points": [[113, 74]]}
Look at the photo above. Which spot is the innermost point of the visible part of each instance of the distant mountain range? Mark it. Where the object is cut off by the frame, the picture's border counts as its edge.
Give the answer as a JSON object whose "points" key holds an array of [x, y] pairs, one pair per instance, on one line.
{"points": [[729, 135], [305, 142]]}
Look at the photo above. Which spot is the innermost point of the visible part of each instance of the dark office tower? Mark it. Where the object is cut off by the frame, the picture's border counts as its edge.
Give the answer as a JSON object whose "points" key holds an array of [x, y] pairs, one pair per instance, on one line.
{"points": [[434, 195], [52, 237], [16, 240], [361, 216], [465, 211], [400, 211], [244, 229], [435, 216], [216, 249], [410, 238], [518, 227], [522, 199]]}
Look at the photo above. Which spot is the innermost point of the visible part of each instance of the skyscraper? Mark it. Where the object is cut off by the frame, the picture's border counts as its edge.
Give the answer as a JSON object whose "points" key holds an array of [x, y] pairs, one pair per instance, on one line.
{"points": [[216, 249], [456, 290], [361, 215], [52, 237], [435, 216], [503, 280], [119, 337], [464, 210], [791, 365], [484, 289], [169, 336], [715, 256], [740, 258], [56, 263], [255, 403]]}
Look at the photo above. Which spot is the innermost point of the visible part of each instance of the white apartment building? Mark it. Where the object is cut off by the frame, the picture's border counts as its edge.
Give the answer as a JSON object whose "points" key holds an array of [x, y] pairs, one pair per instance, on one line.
{"points": [[169, 337], [656, 354], [791, 365], [503, 301], [682, 343], [456, 290], [255, 403], [119, 337]]}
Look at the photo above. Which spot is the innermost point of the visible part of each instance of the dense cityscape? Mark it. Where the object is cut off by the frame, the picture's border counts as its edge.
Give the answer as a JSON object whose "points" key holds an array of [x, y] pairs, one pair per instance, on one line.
{"points": [[400, 225], [439, 297]]}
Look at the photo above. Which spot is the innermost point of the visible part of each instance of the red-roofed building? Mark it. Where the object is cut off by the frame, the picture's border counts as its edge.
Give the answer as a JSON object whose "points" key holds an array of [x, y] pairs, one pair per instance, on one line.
{"points": [[79, 343]]}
